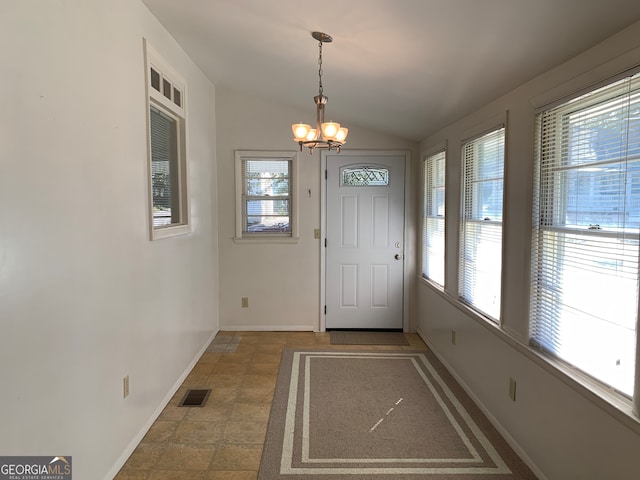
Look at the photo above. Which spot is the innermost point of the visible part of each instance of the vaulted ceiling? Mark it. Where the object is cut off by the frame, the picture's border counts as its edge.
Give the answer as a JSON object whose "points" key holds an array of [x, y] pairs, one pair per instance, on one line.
{"points": [[404, 67]]}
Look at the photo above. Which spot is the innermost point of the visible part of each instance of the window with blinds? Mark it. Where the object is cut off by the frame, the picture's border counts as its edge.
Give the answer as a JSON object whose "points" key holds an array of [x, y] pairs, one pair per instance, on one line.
{"points": [[433, 226], [266, 198], [266, 194], [584, 295], [169, 206], [480, 257]]}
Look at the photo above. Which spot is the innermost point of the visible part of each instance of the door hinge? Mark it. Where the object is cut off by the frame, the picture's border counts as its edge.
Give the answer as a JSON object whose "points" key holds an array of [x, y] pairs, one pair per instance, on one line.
{"points": [[325, 174], [325, 242], [325, 309]]}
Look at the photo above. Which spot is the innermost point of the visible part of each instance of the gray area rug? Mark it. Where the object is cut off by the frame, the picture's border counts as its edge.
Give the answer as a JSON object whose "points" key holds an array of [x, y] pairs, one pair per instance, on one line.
{"points": [[341, 337], [387, 415]]}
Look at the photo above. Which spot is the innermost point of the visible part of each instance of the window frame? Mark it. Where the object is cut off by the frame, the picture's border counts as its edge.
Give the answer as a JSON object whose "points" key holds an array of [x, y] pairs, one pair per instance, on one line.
{"points": [[169, 99], [548, 220], [428, 187], [468, 202], [240, 198]]}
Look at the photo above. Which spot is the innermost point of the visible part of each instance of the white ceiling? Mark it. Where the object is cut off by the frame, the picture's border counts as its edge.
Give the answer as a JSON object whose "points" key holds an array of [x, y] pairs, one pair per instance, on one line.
{"points": [[405, 67]]}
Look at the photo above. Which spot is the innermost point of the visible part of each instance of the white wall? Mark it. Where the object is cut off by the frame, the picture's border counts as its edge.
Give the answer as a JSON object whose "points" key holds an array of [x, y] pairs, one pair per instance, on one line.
{"points": [[565, 432], [282, 281], [85, 297]]}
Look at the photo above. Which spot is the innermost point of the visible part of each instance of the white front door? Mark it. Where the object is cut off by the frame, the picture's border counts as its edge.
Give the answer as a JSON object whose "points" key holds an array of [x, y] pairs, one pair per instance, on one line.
{"points": [[365, 241]]}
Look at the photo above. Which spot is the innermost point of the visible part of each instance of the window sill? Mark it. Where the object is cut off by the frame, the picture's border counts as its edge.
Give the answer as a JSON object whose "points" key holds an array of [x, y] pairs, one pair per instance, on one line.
{"points": [[435, 285], [264, 240], [166, 232], [610, 402]]}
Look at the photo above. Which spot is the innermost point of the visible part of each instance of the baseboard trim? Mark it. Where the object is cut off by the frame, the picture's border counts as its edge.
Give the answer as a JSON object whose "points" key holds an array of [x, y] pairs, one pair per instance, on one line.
{"points": [[267, 328], [507, 436], [122, 459]]}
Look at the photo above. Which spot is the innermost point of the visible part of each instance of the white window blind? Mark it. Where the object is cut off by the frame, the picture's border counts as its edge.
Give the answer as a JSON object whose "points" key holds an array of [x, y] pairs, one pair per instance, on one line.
{"points": [[480, 268], [266, 198], [584, 296], [433, 239], [164, 168]]}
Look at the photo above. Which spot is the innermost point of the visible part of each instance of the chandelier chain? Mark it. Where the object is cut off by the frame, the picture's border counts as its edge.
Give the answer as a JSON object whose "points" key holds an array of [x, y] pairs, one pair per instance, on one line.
{"points": [[320, 68]]}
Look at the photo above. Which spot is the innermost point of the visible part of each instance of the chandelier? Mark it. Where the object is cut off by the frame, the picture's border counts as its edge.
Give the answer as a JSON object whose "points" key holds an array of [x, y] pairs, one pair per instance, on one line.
{"points": [[325, 134]]}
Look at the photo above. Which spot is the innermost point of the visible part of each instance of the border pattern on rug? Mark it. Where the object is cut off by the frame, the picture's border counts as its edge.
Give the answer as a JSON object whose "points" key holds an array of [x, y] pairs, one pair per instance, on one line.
{"points": [[287, 452]]}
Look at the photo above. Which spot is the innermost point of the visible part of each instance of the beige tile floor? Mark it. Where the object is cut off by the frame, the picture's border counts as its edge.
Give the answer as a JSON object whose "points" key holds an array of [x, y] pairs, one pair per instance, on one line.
{"points": [[223, 440]]}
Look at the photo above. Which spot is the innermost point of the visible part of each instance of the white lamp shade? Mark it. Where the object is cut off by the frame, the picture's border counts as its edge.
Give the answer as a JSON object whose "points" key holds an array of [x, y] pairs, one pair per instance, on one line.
{"points": [[330, 130], [300, 131], [341, 136], [312, 135]]}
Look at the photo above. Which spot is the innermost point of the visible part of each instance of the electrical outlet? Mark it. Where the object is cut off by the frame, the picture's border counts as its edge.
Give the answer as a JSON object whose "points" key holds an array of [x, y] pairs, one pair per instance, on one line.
{"points": [[245, 302], [453, 337], [512, 389], [125, 387]]}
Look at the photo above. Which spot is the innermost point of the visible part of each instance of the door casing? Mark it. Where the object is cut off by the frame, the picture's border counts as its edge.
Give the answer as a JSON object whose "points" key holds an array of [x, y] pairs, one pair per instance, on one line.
{"points": [[369, 156]]}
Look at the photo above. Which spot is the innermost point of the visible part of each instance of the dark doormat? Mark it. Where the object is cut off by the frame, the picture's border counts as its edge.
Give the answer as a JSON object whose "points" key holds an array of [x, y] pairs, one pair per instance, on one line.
{"points": [[345, 337]]}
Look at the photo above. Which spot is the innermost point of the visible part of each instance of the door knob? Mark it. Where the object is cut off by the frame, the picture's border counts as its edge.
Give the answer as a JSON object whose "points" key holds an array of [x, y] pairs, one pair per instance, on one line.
{"points": [[399, 256]]}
